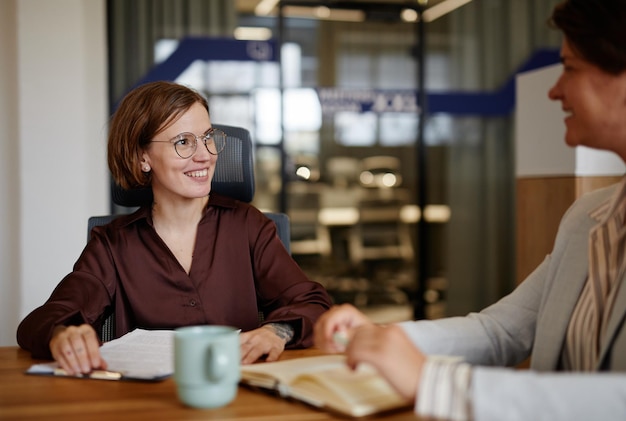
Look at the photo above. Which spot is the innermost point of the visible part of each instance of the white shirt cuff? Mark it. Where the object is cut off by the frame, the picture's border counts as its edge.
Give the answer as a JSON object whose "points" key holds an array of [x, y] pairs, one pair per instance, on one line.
{"points": [[444, 390]]}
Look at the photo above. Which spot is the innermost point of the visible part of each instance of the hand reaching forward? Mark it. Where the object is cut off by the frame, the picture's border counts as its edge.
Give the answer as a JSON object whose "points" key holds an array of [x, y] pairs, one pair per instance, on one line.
{"points": [[344, 328], [390, 351], [267, 340], [76, 349], [338, 323]]}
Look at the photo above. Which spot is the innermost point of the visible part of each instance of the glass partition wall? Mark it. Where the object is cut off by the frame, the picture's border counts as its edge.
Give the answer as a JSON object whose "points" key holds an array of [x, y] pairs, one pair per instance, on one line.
{"points": [[352, 173]]}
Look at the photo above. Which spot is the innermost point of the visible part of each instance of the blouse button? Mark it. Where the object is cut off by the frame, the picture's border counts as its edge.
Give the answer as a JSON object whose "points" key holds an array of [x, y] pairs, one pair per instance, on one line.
{"points": [[192, 303]]}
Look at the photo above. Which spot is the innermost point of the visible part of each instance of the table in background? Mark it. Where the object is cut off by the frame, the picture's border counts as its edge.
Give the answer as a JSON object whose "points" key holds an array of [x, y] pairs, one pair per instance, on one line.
{"points": [[55, 398]]}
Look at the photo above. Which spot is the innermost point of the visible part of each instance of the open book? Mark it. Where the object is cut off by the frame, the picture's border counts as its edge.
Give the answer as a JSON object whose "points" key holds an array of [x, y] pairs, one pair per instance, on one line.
{"points": [[139, 355], [326, 382]]}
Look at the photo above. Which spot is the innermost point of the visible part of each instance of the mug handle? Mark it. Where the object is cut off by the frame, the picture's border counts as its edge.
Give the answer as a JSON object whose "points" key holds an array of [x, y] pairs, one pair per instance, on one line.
{"points": [[217, 363]]}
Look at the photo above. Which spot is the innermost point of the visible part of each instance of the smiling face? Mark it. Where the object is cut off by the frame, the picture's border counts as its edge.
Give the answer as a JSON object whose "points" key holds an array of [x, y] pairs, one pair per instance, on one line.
{"points": [[594, 101], [175, 178]]}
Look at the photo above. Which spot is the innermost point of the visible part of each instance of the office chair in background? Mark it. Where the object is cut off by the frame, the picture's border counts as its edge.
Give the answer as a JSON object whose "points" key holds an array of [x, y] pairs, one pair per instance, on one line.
{"points": [[234, 177]]}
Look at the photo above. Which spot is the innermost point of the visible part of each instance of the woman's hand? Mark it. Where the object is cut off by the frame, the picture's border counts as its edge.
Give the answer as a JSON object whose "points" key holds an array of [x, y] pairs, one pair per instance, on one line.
{"points": [[269, 340], [76, 349], [386, 348], [335, 327], [390, 351]]}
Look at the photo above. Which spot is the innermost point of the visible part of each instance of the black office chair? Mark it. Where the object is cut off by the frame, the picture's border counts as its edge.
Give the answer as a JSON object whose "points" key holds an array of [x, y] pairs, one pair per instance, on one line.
{"points": [[234, 177]]}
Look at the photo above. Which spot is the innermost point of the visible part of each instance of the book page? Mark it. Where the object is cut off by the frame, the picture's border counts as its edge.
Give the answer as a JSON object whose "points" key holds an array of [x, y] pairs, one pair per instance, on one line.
{"points": [[269, 375], [357, 393]]}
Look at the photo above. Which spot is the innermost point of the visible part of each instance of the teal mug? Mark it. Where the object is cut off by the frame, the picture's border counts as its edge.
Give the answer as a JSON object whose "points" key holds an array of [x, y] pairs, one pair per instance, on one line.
{"points": [[206, 365]]}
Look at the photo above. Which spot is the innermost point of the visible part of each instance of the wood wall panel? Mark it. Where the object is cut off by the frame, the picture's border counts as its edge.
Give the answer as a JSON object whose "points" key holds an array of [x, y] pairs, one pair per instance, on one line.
{"points": [[541, 203]]}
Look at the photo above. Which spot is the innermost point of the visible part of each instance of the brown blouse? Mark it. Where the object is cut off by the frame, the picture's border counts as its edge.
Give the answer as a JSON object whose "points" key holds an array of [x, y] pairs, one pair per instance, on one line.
{"points": [[239, 268]]}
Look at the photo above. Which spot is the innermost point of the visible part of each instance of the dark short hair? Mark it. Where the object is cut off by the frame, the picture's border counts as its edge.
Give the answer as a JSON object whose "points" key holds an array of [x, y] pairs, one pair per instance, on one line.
{"points": [[596, 29], [142, 114]]}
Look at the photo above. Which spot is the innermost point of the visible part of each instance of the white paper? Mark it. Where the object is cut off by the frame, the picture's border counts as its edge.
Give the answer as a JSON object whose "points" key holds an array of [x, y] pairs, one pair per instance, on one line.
{"points": [[140, 354]]}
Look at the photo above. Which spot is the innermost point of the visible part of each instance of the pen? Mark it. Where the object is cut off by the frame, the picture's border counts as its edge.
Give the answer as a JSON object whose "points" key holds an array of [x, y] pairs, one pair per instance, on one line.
{"points": [[95, 374], [340, 338]]}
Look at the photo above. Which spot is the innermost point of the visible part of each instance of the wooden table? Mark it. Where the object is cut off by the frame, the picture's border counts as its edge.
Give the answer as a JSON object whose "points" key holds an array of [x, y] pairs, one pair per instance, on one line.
{"points": [[25, 396]]}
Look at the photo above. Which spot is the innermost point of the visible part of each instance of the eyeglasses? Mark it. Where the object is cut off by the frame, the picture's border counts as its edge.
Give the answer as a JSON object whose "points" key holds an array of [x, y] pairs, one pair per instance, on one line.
{"points": [[186, 143]]}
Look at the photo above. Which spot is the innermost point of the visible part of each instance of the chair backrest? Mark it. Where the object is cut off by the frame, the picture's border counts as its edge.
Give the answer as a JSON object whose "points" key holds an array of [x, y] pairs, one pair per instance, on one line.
{"points": [[234, 177], [282, 226]]}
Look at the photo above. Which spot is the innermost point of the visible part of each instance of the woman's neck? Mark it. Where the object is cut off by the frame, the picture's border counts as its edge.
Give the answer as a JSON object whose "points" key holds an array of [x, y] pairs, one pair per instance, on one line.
{"points": [[178, 214]]}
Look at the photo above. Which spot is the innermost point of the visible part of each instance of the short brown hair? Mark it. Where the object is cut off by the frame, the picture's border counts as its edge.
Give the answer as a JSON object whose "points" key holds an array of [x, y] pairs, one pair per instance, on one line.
{"points": [[142, 114], [596, 29]]}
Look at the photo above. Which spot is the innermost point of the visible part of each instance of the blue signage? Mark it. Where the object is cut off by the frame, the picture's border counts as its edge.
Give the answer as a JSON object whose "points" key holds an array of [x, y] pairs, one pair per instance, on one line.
{"points": [[500, 102], [219, 49], [363, 100]]}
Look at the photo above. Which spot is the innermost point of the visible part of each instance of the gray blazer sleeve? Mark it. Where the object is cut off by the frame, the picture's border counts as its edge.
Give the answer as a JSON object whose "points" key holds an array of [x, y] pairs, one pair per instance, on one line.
{"points": [[500, 335]]}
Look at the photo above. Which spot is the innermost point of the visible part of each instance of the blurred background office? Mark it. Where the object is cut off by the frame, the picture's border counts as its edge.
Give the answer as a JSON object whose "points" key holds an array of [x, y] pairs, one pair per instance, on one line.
{"points": [[349, 176]]}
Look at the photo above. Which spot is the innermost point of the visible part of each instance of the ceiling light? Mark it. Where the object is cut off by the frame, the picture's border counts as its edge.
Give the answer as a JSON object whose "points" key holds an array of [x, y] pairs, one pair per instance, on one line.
{"points": [[251, 33], [303, 172], [265, 7], [409, 15], [324, 13], [442, 8]]}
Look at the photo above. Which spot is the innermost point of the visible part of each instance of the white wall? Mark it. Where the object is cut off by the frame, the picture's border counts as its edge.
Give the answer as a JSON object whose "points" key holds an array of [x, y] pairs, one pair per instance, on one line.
{"points": [[56, 103], [9, 209], [540, 148]]}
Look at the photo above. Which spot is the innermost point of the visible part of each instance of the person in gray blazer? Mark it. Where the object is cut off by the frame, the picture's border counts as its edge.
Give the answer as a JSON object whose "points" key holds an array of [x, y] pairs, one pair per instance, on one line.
{"points": [[568, 316]]}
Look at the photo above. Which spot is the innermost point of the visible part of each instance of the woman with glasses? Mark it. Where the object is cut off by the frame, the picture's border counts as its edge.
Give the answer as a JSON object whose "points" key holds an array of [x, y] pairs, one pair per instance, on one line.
{"points": [[190, 258], [569, 315]]}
